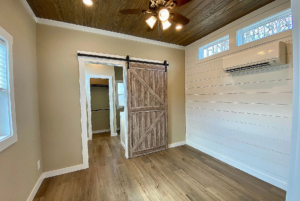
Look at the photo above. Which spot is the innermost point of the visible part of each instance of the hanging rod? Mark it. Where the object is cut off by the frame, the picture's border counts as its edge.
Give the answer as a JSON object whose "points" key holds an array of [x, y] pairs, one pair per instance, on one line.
{"points": [[121, 59], [99, 85], [100, 110]]}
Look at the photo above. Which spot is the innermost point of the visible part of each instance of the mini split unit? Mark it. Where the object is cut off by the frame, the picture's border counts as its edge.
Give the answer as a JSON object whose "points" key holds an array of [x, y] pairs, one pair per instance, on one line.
{"points": [[273, 54]]}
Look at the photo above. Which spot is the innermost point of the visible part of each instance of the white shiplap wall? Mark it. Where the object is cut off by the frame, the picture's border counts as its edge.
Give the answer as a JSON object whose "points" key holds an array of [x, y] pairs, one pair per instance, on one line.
{"points": [[243, 119]]}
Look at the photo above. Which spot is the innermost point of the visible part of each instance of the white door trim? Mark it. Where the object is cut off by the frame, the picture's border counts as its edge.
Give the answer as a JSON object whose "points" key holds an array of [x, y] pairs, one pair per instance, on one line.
{"points": [[112, 116], [293, 192], [83, 95]]}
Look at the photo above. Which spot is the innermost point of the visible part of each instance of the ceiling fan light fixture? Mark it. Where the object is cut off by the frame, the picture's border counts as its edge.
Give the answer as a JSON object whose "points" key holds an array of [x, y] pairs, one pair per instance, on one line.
{"points": [[88, 2], [151, 21], [166, 24], [164, 14], [178, 27]]}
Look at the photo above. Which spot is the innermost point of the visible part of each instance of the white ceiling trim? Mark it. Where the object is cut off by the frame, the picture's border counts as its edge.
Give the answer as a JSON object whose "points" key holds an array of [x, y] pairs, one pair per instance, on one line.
{"points": [[106, 33], [26, 5]]}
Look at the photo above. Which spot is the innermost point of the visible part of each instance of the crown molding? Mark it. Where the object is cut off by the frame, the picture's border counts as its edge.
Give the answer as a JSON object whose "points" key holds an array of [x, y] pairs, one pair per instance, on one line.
{"points": [[106, 33], [28, 8]]}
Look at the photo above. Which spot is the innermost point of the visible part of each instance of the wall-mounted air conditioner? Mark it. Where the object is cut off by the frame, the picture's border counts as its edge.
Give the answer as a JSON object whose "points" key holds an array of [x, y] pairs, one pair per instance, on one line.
{"points": [[273, 54]]}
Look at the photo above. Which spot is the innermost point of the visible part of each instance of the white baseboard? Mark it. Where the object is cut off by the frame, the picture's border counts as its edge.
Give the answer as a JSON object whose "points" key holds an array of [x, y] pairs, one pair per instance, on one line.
{"points": [[244, 168], [123, 145], [177, 144], [36, 187], [114, 134], [52, 174], [101, 131], [65, 170]]}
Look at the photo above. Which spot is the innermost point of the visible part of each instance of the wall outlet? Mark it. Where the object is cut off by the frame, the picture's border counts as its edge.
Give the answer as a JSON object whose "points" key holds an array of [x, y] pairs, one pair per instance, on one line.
{"points": [[39, 164]]}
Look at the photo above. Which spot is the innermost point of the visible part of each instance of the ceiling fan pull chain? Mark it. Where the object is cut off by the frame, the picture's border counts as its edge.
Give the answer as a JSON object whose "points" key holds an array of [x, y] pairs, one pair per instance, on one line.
{"points": [[159, 30]]}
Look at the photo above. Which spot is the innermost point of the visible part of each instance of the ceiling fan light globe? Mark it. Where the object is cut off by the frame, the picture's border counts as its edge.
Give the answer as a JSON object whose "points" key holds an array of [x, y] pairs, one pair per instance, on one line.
{"points": [[178, 27], [151, 21], [164, 15], [166, 24], [88, 2]]}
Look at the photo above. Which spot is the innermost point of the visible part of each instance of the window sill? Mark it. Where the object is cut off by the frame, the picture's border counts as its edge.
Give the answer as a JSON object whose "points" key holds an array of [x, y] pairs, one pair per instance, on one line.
{"points": [[2, 138], [6, 141]]}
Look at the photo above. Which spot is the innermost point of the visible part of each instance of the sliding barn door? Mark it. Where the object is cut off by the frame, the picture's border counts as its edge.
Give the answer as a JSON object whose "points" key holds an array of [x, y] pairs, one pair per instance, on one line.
{"points": [[147, 109]]}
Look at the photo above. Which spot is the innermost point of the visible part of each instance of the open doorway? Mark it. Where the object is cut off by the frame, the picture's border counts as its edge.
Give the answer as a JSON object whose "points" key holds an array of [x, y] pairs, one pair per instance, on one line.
{"points": [[105, 99], [100, 111], [100, 101]]}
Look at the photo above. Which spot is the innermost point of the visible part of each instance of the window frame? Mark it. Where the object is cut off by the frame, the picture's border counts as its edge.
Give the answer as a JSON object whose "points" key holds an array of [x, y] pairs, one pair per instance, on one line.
{"points": [[8, 140], [201, 49], [263, 22], [117, 94]]}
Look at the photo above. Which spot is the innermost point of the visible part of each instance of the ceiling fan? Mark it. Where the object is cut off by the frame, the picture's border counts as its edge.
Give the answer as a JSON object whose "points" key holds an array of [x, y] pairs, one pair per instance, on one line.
{"points": [[161, 9]]}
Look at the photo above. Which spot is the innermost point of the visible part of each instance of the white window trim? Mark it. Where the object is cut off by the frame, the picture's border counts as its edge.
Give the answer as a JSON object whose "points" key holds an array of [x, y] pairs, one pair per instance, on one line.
{"points": [[6, 141], [201, 49], [259, 23], [117, 95]]}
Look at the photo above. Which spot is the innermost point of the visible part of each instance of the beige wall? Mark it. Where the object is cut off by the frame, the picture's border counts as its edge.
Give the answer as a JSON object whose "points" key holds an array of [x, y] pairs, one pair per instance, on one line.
{"points": [[243, 115], [18, 163], [59, 88]]}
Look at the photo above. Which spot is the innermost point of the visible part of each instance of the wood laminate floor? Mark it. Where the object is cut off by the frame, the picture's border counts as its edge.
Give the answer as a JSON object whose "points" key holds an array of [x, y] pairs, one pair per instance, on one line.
{"points": [[181, 173]]}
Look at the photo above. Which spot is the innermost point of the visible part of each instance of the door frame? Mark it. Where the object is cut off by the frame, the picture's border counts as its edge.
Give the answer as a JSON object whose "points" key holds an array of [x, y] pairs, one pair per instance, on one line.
{"points": [[83, 96], [112, 117]]}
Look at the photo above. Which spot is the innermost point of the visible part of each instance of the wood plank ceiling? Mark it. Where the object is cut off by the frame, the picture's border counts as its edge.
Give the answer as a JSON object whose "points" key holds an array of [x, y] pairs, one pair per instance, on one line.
{"points": [[206, 16]]}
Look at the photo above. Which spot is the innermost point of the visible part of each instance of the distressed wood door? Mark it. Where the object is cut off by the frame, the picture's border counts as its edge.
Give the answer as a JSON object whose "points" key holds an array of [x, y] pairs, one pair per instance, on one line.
{"points": [[147, 109]]}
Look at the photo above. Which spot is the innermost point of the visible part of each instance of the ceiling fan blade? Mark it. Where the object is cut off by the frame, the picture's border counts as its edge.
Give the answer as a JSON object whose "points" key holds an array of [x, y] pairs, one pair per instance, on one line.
{"points": [[132, 11], [180, 2], [178, 18]]}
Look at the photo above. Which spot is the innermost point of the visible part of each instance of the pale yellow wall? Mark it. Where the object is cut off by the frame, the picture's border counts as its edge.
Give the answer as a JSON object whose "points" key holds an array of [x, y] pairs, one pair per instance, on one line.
{"points": [[59, 88], [18, 163]]}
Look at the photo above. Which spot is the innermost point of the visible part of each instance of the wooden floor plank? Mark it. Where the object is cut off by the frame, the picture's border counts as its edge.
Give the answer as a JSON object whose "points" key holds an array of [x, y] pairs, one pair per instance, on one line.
{"points": [[181, 173]]}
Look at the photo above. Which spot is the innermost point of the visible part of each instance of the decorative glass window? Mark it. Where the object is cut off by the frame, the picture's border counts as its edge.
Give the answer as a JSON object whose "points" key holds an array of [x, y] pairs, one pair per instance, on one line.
{"points": [[215, 47], [274, 24], [8, 128], [121, 94]]}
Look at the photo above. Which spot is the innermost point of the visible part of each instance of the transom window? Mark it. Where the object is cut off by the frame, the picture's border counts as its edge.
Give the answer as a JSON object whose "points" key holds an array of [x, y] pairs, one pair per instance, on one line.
{"points": [[215, 47], [274, 24]]}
